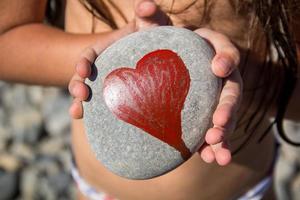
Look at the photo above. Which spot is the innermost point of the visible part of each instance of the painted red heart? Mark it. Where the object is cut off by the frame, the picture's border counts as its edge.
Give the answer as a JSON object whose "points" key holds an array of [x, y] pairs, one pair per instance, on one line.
{"points": [[151, 97]]}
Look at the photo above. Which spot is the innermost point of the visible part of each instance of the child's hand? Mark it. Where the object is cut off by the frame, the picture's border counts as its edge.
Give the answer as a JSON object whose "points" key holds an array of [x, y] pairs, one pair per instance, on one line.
{"points": [[224, 65], [147, 14]]}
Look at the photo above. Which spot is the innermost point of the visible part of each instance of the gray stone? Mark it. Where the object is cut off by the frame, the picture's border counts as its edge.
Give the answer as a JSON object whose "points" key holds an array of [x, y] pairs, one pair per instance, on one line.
{"points": [[45, 191], [26, 124], [46, 179], [47, 166], [8, 185], [5, 135], [64, 157], [287, 165], [60, 183], [296, 187], [127, 150], [2, 116], [26, 153], [55, 113], [5, 130], [51, 147], [29, 183], [2, 143], [22, 151], [15, 97], [3, 85], [9, 162], [36, 95]]}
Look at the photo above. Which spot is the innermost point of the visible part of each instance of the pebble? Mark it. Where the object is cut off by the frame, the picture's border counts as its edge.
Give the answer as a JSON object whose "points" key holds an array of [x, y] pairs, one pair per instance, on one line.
{"points": [[22, 151], [131, 151], [51, 147], [296, 187], [26, 125], [30, 153], [60, 183], [8, 185], [5, 129], [9, 162], [55, 114], [29, 183]]}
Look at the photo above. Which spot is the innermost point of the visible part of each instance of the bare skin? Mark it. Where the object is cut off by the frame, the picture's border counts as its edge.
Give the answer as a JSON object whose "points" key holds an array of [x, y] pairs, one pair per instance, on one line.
{"points": [[25, 40], [224, 64], [195, 179]]}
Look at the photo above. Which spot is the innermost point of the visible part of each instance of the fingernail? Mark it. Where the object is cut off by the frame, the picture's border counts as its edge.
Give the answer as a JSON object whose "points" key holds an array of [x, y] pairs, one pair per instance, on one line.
{"points": [[146, 8], [224, 65]]}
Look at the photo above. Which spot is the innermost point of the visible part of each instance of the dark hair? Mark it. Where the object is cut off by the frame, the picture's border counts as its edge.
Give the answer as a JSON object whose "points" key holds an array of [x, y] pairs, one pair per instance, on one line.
{"points": [[99, 10], [55, 13], [274, 16]]}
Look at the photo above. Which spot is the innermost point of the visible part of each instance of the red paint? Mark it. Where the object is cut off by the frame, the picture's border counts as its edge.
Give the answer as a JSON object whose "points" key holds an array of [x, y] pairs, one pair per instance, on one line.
{"points": [[151, 96]]}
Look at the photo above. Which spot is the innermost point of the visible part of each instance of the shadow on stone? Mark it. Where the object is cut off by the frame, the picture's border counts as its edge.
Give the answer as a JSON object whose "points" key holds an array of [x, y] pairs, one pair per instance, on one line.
{"points": [[94, 73], [93, 77], [90, 94]]}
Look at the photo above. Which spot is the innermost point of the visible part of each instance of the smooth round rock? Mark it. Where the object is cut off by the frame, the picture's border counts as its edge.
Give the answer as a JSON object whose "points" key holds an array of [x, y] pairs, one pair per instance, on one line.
{"points": [[132, 151]]}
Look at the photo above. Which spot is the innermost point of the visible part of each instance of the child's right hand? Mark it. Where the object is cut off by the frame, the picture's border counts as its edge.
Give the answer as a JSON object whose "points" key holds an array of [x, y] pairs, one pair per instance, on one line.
{"points": [[147, 14]]}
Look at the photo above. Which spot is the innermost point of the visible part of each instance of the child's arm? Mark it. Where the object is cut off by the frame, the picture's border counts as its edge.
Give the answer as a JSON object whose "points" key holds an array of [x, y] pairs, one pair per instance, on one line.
{"points": [[32, 52]]}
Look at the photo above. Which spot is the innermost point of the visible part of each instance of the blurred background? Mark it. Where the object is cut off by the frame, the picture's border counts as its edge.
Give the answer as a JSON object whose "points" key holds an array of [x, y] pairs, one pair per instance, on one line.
{"points": [[35, 136], [35, 141]]}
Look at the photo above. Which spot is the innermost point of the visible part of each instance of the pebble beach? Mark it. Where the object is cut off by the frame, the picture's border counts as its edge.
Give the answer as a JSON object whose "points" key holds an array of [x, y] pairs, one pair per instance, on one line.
{"points": [[34, 143]]}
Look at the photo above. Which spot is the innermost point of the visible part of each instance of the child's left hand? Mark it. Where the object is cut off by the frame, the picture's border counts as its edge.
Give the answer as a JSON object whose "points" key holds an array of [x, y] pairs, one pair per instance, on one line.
{"points": [[224, 65]]}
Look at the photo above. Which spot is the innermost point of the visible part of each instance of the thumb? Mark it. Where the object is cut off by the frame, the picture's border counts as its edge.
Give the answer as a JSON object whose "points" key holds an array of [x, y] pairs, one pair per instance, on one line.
{"points": [[148, 14]]}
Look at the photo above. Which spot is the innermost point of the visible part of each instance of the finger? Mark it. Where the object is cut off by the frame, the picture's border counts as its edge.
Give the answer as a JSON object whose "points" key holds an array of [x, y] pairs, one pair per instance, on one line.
{"points": [[83, 66], [230, 99], [83, 70], [87, 57], [227, 56], [206, 153], [214, 135], [147, 14], [79, 90], [145, 8], [222, 153], [76, 110]]}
